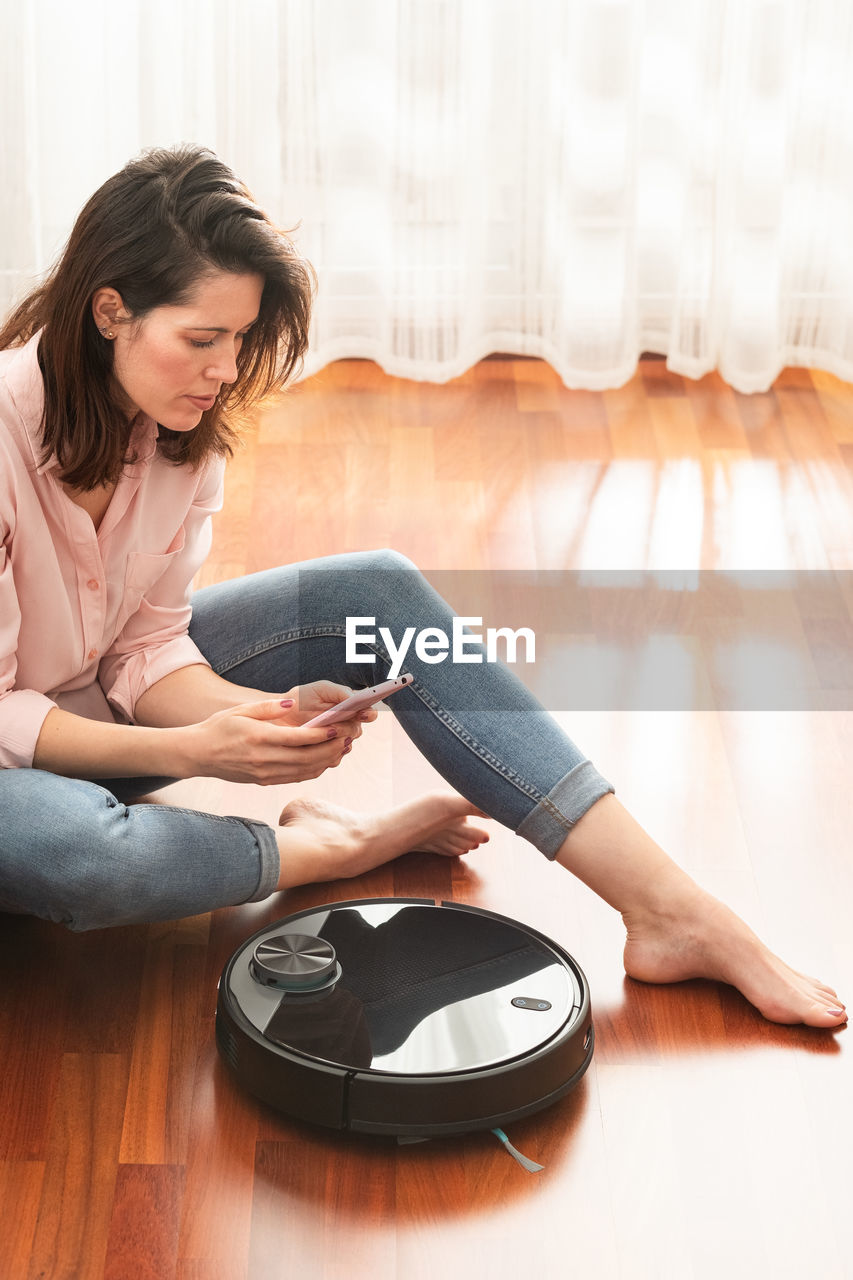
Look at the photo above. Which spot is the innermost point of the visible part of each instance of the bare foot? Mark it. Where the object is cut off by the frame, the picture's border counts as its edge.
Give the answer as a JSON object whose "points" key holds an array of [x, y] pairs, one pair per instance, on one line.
{"points": [[320, 841], [699, 937]]}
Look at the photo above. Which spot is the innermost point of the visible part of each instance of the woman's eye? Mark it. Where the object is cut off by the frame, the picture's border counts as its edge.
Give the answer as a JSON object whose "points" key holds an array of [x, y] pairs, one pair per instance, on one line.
{"points": [[239, 336]]}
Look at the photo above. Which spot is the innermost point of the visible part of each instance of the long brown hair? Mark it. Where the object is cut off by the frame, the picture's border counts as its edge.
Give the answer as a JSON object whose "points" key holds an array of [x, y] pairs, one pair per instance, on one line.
{"points": [[152, 232]]}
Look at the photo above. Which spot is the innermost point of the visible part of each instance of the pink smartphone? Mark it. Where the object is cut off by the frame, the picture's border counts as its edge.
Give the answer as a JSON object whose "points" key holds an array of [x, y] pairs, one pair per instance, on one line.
{"points": [[358, 701]]}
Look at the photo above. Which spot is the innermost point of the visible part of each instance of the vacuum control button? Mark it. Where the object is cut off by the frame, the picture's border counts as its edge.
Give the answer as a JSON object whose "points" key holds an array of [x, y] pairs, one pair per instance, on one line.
{"points": [[293, 962], [529, 1002]]}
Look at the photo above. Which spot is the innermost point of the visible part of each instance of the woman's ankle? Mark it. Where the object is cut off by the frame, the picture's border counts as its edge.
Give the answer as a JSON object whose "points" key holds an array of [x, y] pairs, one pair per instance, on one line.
{"points": [[615, 857]]}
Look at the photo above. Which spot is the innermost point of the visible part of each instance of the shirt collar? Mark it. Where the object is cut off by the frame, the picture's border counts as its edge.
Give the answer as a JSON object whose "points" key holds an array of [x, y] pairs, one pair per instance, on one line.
{"points": [[26, 386]]}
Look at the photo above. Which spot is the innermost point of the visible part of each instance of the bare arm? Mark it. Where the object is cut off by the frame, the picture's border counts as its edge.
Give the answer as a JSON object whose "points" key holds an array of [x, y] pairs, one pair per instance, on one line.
{"points": [[194, 723], [76, 747], [191, 694]]}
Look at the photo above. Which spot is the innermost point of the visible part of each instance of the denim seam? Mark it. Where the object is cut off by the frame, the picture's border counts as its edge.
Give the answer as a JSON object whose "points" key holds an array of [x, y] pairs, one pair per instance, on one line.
{"points": [[302, 633], [273, 642], [434, 707], [173, 808], [548, 807], [487, 758]]}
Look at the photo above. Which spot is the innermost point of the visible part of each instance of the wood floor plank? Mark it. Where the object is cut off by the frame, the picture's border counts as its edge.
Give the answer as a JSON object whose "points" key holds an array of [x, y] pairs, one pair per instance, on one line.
{"points": [[81, 1167], [217, 1204], [36, 975], [455, 443], [629, 421], [675, 428], [833, 395], [20, 1196], [659, 381], [762, 422], [165, 1046], [366, 498], [585, 426], [191, 1001], [537, 387], [101, 1004], [288, 1207], [228, 558], [143, 1138], [360, 1225], [143, 1239], [719, 425], [507, 462]]}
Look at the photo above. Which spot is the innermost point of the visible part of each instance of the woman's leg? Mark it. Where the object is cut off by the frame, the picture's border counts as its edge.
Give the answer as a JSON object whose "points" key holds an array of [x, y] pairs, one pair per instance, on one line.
{"points": [[477, 724], [72, 853], [676, 930], [493, 742]]}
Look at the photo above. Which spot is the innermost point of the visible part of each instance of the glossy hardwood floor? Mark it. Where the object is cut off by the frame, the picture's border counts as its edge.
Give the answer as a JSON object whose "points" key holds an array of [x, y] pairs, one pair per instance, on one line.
{"points": [[703, 1141]]}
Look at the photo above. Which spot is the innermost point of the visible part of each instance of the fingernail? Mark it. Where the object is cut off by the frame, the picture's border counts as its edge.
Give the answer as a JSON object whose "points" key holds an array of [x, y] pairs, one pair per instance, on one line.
{"points": [[332, 733], [347, 742], [347, 750], [364, 715], [287, 702], [837, 1012]]}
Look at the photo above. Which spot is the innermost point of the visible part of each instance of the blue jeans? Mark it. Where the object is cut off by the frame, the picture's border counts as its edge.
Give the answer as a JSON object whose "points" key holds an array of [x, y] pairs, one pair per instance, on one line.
{"points": [[73, 851]]}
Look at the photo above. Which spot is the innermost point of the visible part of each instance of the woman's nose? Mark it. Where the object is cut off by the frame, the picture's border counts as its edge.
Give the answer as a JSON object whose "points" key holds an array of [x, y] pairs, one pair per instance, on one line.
{"points": [[223, 368]]}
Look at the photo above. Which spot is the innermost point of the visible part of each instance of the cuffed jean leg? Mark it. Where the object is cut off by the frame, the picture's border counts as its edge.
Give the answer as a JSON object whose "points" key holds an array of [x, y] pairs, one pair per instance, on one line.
{"points": [[72, 853], [476, 723]]}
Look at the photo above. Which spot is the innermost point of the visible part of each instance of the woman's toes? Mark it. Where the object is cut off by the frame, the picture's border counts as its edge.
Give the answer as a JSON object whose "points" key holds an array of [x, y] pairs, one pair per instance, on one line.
{"points": [[453, 841], [459, 844], [816, 982], [825, 1015]]}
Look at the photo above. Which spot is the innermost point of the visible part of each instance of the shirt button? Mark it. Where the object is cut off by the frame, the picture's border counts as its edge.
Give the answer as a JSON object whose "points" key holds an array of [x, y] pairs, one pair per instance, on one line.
{"points": [[93, 584], [93, 653]]}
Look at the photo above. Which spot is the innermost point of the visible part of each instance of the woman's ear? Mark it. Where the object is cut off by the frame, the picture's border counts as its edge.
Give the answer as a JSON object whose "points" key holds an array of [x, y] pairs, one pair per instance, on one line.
{"points": [[108, 307]]}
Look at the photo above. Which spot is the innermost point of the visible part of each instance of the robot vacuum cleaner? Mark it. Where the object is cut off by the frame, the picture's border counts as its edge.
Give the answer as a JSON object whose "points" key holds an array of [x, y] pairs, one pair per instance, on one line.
{"points": [[404, 1017]]}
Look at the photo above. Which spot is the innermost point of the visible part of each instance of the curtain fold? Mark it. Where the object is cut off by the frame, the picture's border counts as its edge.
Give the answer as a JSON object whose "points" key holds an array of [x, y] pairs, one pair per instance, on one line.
{"points": [[581, 180]]}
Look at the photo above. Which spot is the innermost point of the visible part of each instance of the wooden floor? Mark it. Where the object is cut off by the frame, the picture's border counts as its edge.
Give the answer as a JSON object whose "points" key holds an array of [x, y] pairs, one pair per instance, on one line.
{"points": [[703, 1141]]}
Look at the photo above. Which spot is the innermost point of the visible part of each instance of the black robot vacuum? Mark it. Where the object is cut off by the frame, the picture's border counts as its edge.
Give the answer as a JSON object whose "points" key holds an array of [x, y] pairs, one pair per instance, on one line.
{"points": [[404, 1017]]}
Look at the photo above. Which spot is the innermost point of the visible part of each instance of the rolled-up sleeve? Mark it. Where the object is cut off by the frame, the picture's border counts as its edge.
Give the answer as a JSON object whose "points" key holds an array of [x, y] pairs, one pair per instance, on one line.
{"points": [[153, 641], [22, 711]]}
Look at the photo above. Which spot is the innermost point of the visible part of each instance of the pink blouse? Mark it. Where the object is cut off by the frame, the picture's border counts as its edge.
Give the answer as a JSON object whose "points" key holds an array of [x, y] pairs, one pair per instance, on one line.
{"points": [[90, 619]]}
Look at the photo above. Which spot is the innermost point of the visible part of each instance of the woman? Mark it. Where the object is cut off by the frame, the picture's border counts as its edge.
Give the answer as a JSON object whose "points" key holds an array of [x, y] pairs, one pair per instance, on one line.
{"points": [[175, 306]]}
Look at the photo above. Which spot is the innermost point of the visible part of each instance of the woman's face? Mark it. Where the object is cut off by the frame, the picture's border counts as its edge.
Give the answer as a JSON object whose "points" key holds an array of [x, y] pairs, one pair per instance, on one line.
{"points": [[174, 363]]}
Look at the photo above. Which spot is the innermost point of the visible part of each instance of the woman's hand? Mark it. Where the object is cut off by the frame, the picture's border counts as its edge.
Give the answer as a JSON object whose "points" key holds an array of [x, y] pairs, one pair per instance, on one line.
{"points": [[264, 743], [312, 700]]}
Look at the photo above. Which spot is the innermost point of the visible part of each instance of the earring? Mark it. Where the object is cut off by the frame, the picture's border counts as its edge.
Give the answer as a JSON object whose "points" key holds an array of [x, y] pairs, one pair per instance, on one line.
{"points": [[107, 335]]}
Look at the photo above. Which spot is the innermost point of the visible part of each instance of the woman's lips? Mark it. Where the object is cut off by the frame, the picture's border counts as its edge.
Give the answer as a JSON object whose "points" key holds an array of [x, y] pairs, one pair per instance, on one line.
{"points": [[202, 402]]}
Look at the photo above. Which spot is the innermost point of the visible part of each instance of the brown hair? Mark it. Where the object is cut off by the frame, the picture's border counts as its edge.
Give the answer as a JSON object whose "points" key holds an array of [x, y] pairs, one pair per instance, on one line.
{"points": [[152, 232]]}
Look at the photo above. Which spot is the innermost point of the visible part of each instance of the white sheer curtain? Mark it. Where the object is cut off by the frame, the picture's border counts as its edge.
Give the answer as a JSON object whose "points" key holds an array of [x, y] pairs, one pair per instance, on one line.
{"points": [[580, 180]]}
